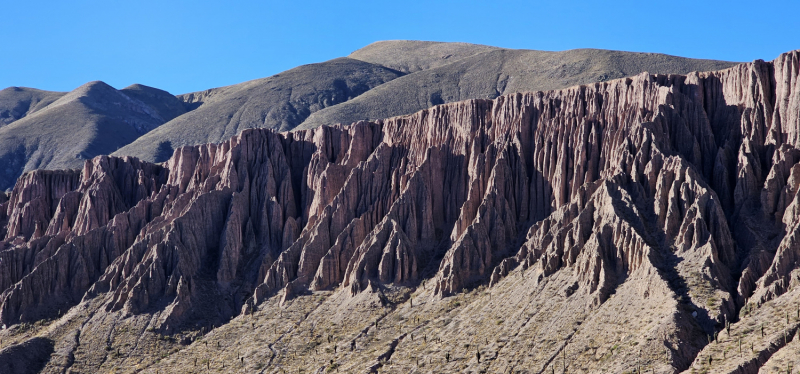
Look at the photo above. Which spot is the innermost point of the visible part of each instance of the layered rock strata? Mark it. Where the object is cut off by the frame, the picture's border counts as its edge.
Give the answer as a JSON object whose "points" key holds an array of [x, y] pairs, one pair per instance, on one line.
{"points": [[680, 186]]}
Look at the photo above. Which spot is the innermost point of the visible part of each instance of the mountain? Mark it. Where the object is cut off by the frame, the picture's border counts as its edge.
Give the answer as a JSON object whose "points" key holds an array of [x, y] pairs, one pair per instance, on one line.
{"points": [[280, 102], [410, 56], [18, 102], [64, 130], [381, 80], [487, 72], [387, 79], [640, 224]]}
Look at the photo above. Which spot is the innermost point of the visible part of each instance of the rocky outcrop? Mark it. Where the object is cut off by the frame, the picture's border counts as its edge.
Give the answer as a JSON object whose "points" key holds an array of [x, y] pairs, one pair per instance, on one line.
{"points": [[65, 228], [654, 181]]}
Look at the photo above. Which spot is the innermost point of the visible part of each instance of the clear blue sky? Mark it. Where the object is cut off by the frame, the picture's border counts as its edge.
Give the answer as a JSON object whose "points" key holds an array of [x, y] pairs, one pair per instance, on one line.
{"points": [[184, 46]]}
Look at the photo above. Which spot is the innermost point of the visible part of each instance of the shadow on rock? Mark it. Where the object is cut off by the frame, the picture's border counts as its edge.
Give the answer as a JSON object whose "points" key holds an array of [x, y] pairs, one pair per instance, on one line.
{"points": [[28, 357]]}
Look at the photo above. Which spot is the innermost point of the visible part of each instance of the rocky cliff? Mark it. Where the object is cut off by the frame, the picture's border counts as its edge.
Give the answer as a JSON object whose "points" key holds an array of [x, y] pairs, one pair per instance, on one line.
{"points": [[622, 225]]}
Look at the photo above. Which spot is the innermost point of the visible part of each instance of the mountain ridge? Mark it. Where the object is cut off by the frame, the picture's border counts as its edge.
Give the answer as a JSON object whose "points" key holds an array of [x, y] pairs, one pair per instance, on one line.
{"points": [[281, 102], [493, 72], [90, 120], [642, 223], [380, 80]]}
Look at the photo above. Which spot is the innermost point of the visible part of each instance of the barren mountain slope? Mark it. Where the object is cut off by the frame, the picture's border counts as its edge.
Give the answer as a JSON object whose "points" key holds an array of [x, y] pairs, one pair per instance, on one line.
{"points": [[483, 72], [309, 96], [94, 119], [280, 102], [306, 96], [18, 102], [610, 227], [410, 56]]}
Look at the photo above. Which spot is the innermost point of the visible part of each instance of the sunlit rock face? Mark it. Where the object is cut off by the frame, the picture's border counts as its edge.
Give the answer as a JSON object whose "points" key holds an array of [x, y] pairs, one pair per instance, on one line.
{"points": [[675, 193]]}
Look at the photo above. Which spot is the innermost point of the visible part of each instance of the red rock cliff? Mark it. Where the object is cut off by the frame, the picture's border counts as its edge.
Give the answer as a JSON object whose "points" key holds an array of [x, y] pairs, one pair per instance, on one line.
{"points": [[675, 176]]}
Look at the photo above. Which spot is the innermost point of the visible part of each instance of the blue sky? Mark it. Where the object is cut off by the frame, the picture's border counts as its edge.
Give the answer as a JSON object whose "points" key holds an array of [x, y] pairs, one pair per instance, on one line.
{"points": [[185, 46]]}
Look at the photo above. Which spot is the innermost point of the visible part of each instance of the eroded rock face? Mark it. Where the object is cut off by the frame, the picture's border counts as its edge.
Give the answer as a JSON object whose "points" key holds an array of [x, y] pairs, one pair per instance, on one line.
{"points": [[683, 184]]}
